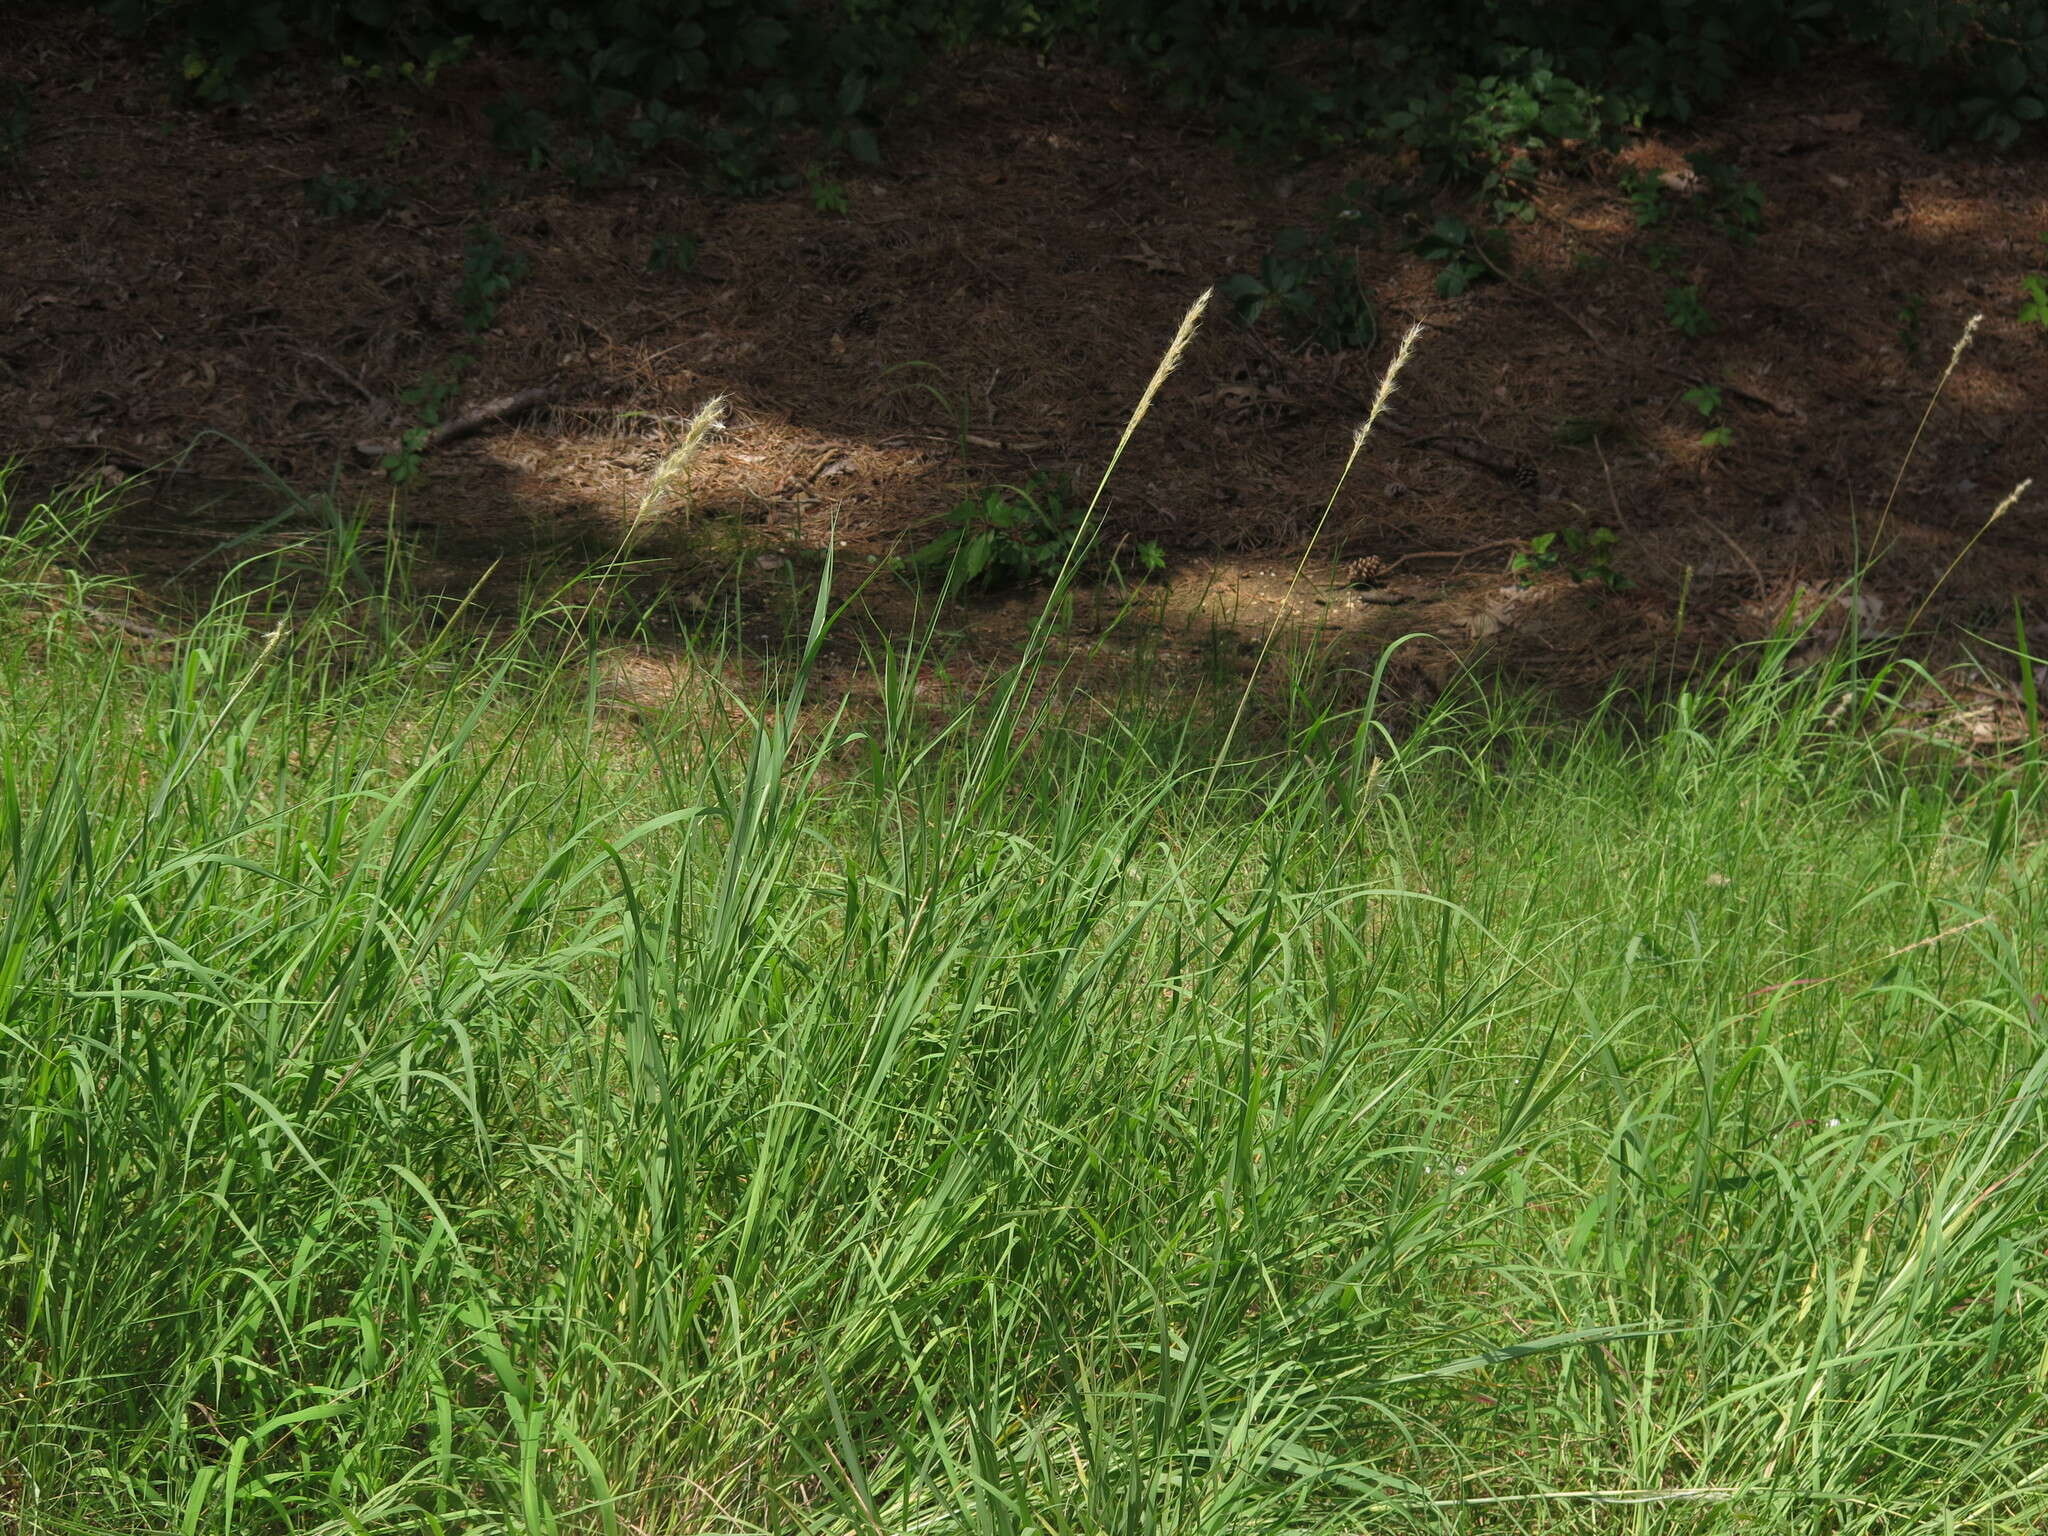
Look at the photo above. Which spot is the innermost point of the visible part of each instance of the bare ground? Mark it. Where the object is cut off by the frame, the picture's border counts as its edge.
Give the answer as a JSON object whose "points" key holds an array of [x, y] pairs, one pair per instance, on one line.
{"points": [[990, 305]]}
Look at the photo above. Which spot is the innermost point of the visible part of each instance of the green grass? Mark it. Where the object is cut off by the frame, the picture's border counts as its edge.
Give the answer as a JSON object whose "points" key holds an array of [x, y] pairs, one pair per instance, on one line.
{"points": [[430, 1102]]}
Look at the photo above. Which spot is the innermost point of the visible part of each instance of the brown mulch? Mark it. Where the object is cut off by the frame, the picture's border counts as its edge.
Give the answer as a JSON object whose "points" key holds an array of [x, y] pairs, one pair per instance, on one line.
{"points": [[990, 306]]}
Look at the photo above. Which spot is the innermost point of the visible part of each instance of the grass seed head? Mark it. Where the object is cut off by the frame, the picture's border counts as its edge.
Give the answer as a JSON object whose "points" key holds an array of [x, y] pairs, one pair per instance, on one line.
{"points": [[709, 418]]}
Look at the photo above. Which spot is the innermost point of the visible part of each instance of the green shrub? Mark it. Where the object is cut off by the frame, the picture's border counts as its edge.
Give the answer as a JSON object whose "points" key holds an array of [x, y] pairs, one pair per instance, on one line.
{"points": [[1582, 554], [1978, 69], [341, 197], [1011, 535], [1310, 282], [2035, 285], [1472, 89], [638, 75]]}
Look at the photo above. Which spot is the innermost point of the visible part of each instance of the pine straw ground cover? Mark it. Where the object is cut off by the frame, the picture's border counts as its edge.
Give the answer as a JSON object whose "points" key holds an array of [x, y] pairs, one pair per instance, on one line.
{"points": [[431, 1104], [1035, 225]]}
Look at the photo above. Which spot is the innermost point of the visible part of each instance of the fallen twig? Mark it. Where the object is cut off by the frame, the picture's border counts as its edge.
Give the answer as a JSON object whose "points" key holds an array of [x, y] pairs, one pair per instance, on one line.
{"points": [[126, 625], [1450, 554], [1541, 297], [1472, 451], [471, 420], [1700, 381], [338, 371], [1726, 538]]}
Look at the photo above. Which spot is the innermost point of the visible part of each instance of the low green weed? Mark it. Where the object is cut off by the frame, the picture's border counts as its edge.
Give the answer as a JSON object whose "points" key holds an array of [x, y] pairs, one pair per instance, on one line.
{"points": [[1646, 199], [1310, 283], [1584, 554], [590, 162], [2035, 286], [1730, 204], [335, 196], [521, 129], [1687, 311], [673, 253], [15, 123], [1482, 130], [743, 160], [2035, 310], [1467, 255], [489, 269], [428, 400], [1706, 399], [1734, 204], [423, 72], [1003, 535], [1908, 321], [828, 195]]}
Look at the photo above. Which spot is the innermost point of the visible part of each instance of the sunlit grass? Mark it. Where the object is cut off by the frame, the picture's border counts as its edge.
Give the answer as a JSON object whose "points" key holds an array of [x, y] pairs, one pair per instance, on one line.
{"points": [[426, 1106]]}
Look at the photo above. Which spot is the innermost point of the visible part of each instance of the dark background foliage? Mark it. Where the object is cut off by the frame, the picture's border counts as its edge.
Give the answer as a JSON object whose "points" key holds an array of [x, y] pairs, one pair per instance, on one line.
{"points": [[1456, 80]]}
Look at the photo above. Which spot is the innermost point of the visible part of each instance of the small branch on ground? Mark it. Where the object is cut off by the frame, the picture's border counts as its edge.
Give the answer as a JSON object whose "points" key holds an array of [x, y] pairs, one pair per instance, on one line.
{"points": [[338, 371], [141, 631], [1541, 297], [472, 420], [1451, 554], [1742, 554]]}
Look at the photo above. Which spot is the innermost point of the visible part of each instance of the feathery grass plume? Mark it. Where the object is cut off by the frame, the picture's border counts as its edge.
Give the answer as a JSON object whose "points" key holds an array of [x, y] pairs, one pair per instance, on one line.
{"points": [[1359, 437], [709, 418], [1955, 356], [1386, 390], [2011, 500], [1005, 713], [1962, 343], [1174, 352], [1168, 361]]}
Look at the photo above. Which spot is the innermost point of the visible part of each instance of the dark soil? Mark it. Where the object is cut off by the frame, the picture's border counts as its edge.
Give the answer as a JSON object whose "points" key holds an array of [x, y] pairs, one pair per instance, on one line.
{"points": [[990, 305]]}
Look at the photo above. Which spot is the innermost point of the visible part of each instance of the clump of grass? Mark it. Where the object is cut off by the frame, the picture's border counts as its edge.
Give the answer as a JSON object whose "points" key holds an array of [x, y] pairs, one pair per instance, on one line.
{"points": [[426, 1107]]}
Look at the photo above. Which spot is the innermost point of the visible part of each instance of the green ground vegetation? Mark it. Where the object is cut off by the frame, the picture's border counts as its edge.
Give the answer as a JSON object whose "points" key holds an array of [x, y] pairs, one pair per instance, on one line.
{"points": [[431, 1101]]}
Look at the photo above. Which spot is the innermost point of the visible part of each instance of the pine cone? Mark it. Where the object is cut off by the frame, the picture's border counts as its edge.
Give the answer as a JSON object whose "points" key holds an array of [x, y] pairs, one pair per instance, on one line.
{"points": [[1525, 478], [1365, 571]]}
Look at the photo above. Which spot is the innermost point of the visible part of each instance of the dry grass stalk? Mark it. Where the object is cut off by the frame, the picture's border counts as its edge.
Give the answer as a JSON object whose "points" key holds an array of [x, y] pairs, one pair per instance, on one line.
{"points": [[1381, 396], [709, 418], [1955, 356], [1385, 392], [1169, 362], [2011, 500]]}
